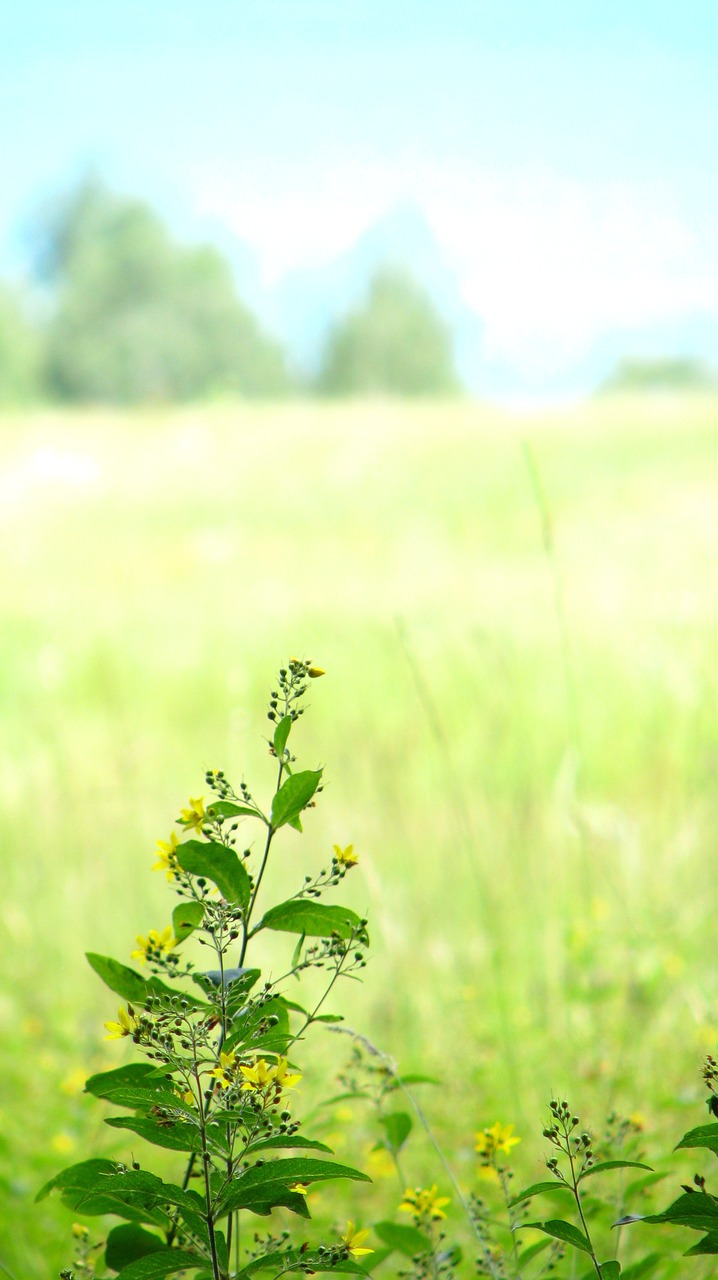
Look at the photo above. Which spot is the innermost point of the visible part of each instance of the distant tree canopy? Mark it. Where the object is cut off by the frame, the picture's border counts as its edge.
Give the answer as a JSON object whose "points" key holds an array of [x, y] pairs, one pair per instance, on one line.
{"points": [[395, 344], [660, 375], [139, 317], [20, 352]]}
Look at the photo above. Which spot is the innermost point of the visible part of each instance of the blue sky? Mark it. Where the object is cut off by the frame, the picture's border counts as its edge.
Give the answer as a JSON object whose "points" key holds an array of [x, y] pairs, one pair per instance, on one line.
{"points": [[564, 153]]}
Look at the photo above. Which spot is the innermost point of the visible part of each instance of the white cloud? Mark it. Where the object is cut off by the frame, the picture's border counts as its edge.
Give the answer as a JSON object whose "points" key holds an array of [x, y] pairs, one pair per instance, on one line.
{"points": [[548, 262]]}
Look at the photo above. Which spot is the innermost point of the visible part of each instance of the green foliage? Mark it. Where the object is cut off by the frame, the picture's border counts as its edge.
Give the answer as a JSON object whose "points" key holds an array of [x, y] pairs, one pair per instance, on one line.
{"points": [[216, 1082], [20, 354], [660, 375], [141, 318], [394, 344]]}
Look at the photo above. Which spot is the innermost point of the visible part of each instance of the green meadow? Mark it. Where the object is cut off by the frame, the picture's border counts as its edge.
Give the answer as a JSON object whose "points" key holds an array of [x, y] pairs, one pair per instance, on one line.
{"points": [[518, 618]]}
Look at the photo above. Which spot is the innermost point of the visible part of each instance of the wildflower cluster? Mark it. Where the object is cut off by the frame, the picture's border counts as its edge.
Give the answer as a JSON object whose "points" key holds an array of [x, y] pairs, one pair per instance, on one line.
{"points": [[424, 1204], [218, 1043]]}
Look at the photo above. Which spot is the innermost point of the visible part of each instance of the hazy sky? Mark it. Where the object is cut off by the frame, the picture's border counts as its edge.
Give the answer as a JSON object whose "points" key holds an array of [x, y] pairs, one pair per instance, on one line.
{"points": [[564, 151]]}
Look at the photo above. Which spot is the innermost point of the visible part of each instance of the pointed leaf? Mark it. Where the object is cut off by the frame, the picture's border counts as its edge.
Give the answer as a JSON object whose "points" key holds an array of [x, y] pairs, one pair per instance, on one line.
{"points": [[696, 1210], [178, 1136], [281, 733], [313, 919], [136, 1075], [397, 1127], [287, 1261], [261, 1183], [294, 796], [533, 1250], [219, 864], [127, 1243], [144, 1100], [406, 1240], [615, 1164], [561, 1230], [228, 809], [645, 1267], [706, 1135], [286, 1141], [538, 1188], [709, 1244], [185, 919], [163, 1263], [119, 978], [81, 1176]]}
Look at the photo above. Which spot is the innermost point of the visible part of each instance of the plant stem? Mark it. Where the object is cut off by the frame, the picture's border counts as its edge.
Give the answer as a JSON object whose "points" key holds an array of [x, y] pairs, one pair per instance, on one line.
{"points": [[207, 1188]]}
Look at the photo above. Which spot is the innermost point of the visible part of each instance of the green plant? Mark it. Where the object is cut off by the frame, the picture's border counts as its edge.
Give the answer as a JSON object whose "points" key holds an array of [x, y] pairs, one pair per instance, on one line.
{"points": [[219, 1044]]}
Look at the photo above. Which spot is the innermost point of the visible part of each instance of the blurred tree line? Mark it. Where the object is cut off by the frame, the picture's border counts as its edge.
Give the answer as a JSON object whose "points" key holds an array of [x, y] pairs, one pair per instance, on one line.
{"points": [[123, 314]]}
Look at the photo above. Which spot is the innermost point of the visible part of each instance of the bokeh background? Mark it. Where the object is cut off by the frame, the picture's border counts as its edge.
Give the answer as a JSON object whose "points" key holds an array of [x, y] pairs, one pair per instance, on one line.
{"points": [[386, 335]]}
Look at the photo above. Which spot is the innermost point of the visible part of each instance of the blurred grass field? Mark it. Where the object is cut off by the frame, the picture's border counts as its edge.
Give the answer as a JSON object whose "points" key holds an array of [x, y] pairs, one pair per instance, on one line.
{"points": [[534, 809]]}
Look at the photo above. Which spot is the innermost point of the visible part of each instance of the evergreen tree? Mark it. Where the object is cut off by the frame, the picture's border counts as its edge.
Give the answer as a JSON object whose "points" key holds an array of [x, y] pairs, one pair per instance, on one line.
{"points": [[395, 344], [139, 317]]}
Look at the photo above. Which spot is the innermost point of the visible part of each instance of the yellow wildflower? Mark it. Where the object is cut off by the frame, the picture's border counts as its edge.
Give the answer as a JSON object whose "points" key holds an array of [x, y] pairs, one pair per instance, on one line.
{"points": [[166, 853], [301, 1188], [224, 1070], [261, 1075], [351, 1239], [314, 673], [345, 857], [284, 1079], [424, 1203], [195, 817], [154, 945], [125, 1026], [80, 1231], [497, 1138]]}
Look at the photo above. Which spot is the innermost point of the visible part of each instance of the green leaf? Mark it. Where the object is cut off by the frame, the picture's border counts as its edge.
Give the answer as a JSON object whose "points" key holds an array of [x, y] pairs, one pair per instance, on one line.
{"points": [[281, 733], [294, 796], [397, 1127], [219, 864], [615, 1164], [289, 1260], [78, 1176], [119, 978], [138, 1189], [136, 1075], [284, 1141], [706, 1135], [645, 1267], [132, 987], [536, 1189], [610, 1270], [533, 1250], [297, 954], [173, 1137], [129, 1242], [163, 1263], [406, 1240], [185, 919], [312, 918], [709, 1244], [693, 1209], [145, 1099], [561, 1230], [228, 809], [262, 1184]]}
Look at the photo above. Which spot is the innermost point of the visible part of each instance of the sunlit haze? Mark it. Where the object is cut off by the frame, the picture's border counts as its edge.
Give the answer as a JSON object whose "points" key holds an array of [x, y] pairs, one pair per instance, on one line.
{"points": [[559, 156]]}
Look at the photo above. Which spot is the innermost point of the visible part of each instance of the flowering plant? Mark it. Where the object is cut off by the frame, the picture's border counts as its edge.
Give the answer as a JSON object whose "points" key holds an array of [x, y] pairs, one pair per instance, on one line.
{"points": [[218, 1045]]}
